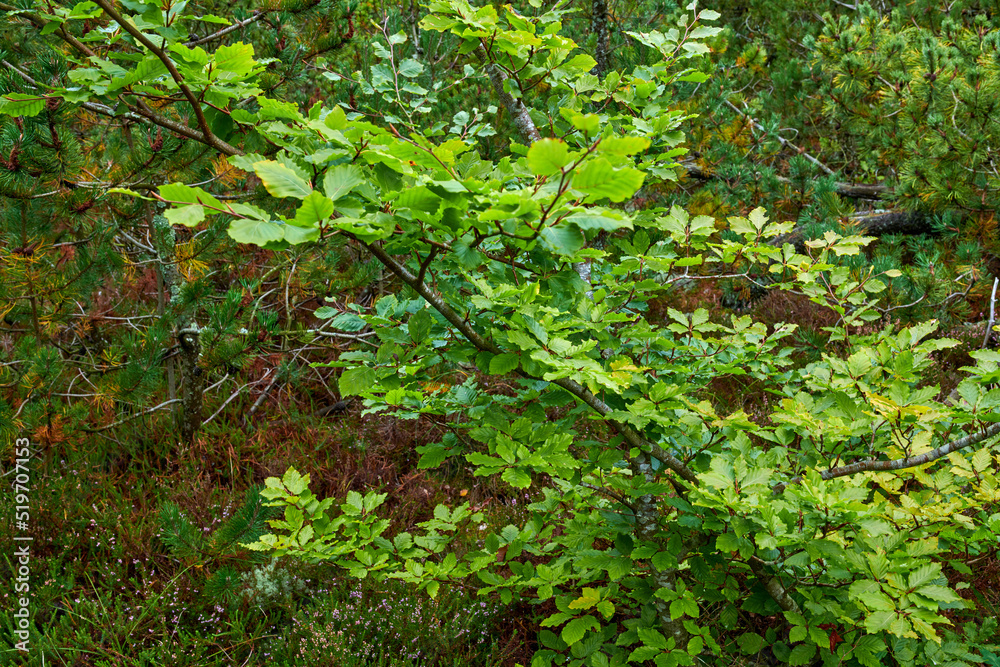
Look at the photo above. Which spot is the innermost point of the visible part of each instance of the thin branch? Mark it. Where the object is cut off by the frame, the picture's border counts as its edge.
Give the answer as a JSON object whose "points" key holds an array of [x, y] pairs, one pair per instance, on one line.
{"points": [[62, 33], [430, 258], [573, 387], [784, 142], [258, 15], [209, 138], [131, 417], [900, 464]]}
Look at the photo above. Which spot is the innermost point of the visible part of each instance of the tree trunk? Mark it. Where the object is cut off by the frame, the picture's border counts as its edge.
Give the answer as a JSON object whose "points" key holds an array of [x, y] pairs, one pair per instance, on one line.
{"points": [[189, 340], [599, 28]]}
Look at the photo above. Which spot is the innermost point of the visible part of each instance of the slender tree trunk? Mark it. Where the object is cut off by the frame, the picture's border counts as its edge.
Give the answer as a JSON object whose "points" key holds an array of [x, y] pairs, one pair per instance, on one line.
{"points": [[599, 28], [190, 415]]}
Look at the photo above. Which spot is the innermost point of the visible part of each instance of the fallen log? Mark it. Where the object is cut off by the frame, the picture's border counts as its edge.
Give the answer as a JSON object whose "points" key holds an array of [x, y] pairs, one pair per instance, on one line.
{"points": [[849, 190]]}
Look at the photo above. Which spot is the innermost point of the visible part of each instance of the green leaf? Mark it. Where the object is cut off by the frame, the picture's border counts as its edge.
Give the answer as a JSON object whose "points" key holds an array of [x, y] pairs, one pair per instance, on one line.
{"points": [[19, 104], [432, 456], [281, 181], [547, 157], [588, 599], [516, 477], [879, 621], [924, 574], [939, 593], [419, 326], [50, 28], [315, 208], [178, 192], [750, 642], [579, 64], [802, 654], [336, 119], [608, 221], [652, 638], [277, 110], [234, 61], [623, 145], [597, 179], [587, 123], [295, 482], [502, 364], [255, 231], [357, 381], [294, 235], [577, 628], [189, 216], [341, 179], [130, 193], [563, 239], [410, 68], [728, 542]]}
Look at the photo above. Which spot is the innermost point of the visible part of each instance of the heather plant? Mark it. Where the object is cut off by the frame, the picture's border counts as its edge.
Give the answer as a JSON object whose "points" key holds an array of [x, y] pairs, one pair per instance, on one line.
{"points": [[393, 624], [268, 582]]}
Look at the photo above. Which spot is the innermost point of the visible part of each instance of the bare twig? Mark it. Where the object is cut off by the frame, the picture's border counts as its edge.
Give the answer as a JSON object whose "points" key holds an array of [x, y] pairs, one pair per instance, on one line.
{"points": [[131, 417], [258, 15], [784, 142]]}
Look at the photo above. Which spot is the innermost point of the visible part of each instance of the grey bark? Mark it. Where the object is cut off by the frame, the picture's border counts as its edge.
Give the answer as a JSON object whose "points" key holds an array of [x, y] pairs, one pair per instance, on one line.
{"points": [[874, 224], [515, 107], [900, 464], [599, 28]]}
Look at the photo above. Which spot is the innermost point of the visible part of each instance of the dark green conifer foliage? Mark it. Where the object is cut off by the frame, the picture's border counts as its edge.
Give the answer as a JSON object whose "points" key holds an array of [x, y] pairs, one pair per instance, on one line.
{"points": [[210, 551], [96, 285], [814, 99]]}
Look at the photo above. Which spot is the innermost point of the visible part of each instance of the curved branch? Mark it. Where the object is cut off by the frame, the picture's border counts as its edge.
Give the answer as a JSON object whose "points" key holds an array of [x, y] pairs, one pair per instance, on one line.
{"points": [[209, 138], [900, 464], [573, 387]]}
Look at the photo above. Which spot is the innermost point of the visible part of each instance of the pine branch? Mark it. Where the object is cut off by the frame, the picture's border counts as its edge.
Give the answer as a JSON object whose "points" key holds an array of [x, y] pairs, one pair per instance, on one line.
{"points": [[849, 190]]}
